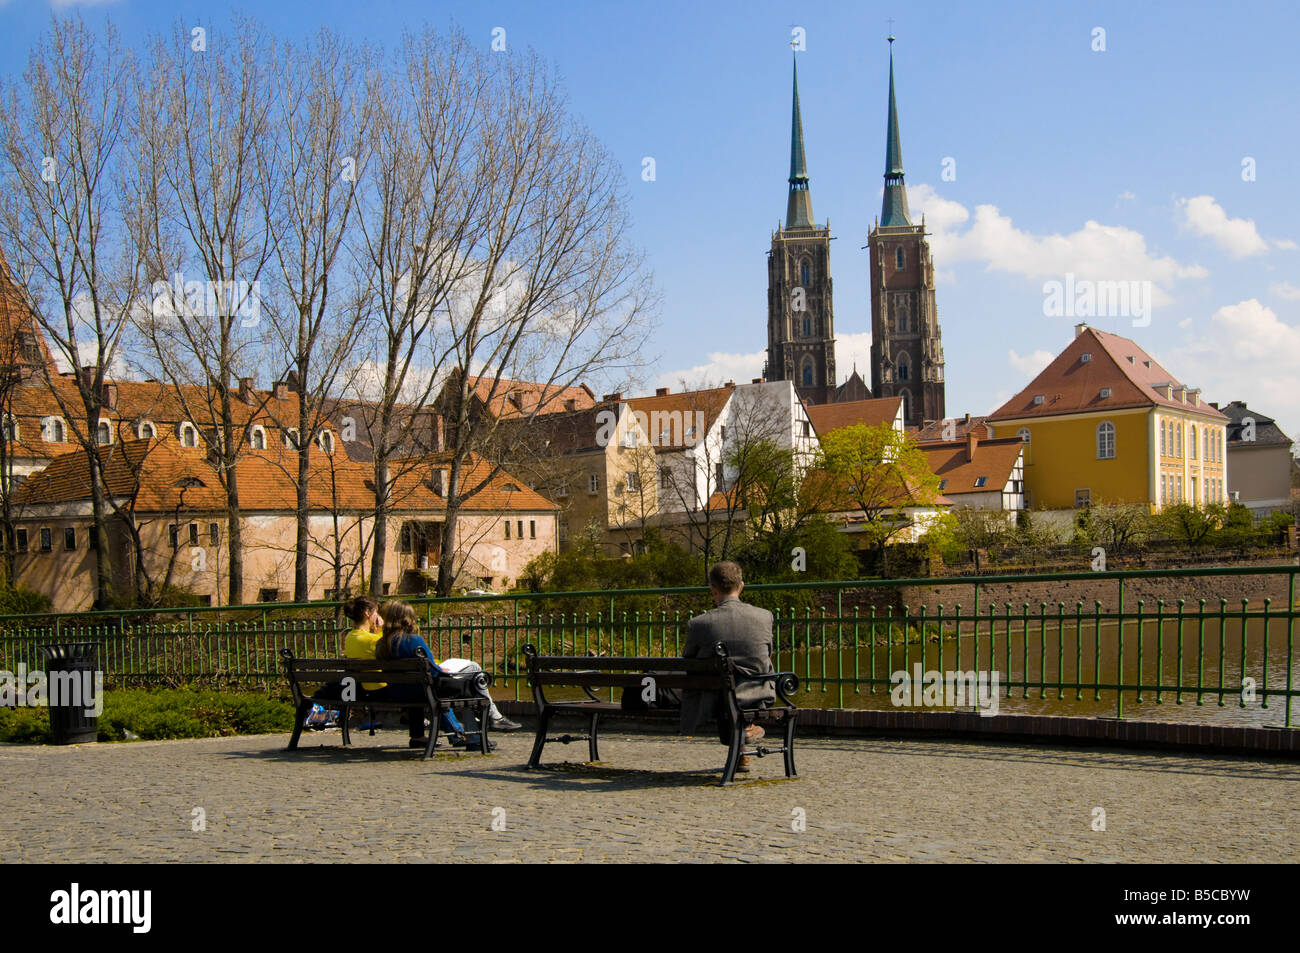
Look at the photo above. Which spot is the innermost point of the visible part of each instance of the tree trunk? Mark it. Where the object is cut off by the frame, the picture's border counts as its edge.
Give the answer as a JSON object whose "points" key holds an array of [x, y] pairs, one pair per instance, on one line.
{"points": [[380, 534]]}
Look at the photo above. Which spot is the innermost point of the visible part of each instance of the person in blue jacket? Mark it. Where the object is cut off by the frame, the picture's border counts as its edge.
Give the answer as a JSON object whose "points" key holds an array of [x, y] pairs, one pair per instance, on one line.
{"points": [[400, 640]]}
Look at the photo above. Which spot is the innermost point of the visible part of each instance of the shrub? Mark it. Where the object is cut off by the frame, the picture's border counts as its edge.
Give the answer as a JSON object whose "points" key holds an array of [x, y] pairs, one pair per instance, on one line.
{"points": [[19, 600], [163, 714]]}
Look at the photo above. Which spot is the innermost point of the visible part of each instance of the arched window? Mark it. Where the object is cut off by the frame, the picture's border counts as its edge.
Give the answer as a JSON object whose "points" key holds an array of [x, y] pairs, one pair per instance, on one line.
{"points": [[808, 373], [53, 430], [257, 437], [807, 327], [326, 440], [1191, 450], [146, 430], [10, 429], [104, 433], [189, 434], [291, 438], [805, 273], [903, 371], [1164, 438], [1023, 434], [1177, 426], [1106, 440], [898, 256]]}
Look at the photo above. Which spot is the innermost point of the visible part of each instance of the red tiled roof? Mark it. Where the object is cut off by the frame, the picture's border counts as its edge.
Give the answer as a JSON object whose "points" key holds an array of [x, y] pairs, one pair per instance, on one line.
{"points": [[994, 459], [878, 410], [1070, 385], [933, 431], [169, 476], [507, 398]]}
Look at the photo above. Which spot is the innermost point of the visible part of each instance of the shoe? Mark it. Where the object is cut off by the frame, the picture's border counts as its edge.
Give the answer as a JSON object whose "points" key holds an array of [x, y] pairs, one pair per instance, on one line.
{"points": [[461, 741], [742, 767], [418, 743], [753, 733], [505, 724]]}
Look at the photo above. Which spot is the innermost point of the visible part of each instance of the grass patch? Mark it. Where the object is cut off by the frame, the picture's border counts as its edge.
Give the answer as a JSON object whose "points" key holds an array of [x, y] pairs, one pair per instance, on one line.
{"points": [[162, 714]]}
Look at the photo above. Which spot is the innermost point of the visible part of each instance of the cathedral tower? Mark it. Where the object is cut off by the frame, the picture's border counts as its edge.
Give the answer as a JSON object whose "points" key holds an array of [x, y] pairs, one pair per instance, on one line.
{"points": [[906, 344], [800, 317]]}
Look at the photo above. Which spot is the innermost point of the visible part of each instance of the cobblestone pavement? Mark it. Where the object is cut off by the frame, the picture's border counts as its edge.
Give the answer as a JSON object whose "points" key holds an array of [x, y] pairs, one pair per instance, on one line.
{"points": [[654, 798]]}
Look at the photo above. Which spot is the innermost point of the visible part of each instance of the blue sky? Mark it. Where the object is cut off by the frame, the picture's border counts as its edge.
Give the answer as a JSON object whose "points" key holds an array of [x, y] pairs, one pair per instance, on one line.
{"points": [[1122, 164]]}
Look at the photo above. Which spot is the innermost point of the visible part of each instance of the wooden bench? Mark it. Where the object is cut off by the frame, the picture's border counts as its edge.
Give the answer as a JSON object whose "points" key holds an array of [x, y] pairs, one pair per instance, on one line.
{"points": [[715, 674], [317, 681]]}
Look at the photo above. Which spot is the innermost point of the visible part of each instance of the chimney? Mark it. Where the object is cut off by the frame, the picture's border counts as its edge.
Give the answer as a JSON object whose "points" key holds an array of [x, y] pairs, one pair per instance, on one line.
{"points": [[570, 404], [661, 391], [246, 393], [439, 434], [1080, 328], [616, 396], [758, 380], [281, 390], [730, 385], [972, 441], [967, 420], [110, 395]]}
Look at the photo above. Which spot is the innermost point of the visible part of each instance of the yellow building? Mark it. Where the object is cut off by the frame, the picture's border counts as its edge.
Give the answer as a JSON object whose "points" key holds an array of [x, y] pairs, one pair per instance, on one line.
{"points": [[1104, 422]]}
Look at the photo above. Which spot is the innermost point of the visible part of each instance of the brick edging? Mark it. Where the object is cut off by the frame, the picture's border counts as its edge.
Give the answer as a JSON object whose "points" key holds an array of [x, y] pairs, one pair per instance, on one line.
{"points": [[1230, 739]]}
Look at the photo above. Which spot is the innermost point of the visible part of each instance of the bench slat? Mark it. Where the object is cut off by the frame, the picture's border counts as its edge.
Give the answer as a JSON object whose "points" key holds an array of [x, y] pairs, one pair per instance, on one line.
{"points": [[616, 662], [703, 683]]}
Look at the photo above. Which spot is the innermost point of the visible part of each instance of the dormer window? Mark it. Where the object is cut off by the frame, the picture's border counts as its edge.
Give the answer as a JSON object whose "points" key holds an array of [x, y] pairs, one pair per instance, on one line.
{"points": [[291, 438], [980, 481], [325, 440], [1085, 357], [1105, 392], [10, 428], [257, 437], [146, 430], [54, 430], [1038, 399], [104, 433], [188, 434]]}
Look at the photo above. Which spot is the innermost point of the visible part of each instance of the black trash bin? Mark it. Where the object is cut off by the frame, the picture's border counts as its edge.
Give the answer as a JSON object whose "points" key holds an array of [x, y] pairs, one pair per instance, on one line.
{"points": [[71, 721]]}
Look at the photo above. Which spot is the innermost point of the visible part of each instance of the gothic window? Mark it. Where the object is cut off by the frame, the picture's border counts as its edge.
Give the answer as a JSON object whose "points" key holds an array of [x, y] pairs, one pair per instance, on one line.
{"points": [[807, 327], [898, 257], [902, 368], [807, 372], [805, 273]]}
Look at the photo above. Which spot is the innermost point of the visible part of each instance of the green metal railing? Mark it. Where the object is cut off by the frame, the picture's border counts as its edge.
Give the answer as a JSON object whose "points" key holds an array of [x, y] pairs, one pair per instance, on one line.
{"points": [[846, 640]]}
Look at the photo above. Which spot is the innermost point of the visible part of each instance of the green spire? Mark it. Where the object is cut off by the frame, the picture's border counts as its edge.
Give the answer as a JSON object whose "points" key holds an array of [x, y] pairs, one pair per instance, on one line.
{"points": [[894, 209], [798, 213]]}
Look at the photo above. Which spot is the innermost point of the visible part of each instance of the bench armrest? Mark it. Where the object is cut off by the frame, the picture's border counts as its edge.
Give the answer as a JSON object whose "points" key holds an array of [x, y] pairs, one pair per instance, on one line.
{"points": [[786, 684]]}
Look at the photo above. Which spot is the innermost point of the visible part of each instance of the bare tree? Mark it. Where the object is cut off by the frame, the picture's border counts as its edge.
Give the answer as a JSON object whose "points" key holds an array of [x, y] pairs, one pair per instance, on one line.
{"points": [[69, 228], [322, 113], [554, 294], [203, 115], [420, 200]]}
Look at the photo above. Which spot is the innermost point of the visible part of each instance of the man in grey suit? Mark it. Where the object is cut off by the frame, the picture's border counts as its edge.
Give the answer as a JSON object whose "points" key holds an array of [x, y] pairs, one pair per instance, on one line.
{"points": [[746, 631]]}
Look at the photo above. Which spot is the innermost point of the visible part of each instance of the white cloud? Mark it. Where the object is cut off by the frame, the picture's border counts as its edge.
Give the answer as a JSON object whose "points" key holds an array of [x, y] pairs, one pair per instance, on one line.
{"points": [[1095, 251], [1284, 290], [1236, 237], [1249, 354], [1125, 197], [742, 368], [851, 349], [1285, 244], [721, 367], [1030, 364]]}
